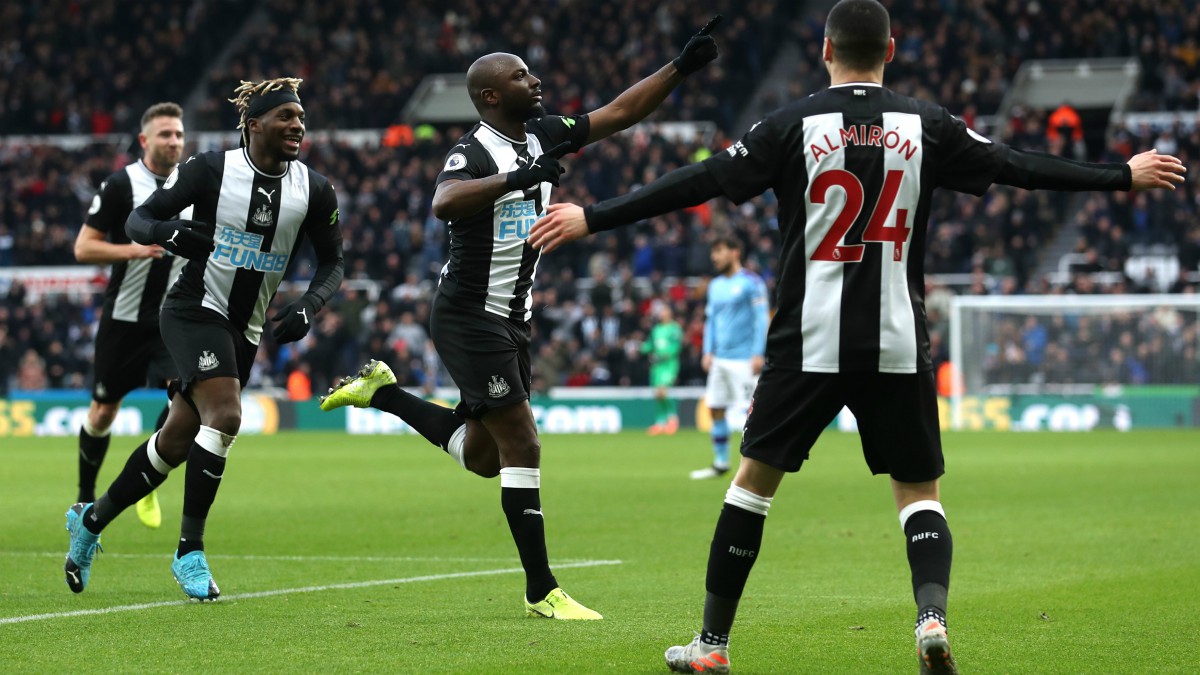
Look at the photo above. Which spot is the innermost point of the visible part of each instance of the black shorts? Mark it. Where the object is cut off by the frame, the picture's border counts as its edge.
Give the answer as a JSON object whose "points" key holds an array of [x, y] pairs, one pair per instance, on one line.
{"points": [[897, 419], [487, 355], [129, 355], [205, 345]]}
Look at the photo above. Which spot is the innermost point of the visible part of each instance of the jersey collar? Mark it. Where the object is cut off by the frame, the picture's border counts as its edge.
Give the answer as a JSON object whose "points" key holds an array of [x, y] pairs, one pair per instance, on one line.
{"points": [[142, 165], [856, 84], [496, 131], [246, 154]]}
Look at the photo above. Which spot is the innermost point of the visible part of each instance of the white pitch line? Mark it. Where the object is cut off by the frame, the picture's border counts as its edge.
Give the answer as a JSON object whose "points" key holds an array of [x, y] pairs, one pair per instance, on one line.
{"points": [[281, 558], [290, 591]]}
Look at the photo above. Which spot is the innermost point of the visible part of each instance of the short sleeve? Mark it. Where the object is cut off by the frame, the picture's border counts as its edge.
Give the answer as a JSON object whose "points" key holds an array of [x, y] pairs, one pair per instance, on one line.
{"points": [[465, 161], [967, 161], [749, 167], [183, 188], [112, 204], [552, 130]]}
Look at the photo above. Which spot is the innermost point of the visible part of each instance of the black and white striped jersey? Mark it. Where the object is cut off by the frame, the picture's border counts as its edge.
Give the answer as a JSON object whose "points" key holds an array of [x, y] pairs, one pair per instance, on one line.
{"points": [[257, 220], [136, 288], [491, 267], [854, 167]]}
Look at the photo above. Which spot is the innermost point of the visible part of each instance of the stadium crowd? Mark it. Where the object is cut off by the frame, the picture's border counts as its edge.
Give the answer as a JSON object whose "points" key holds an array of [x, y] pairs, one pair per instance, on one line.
{"points": [[350, 59], [592, 301], [1157, 347], [93, 67]]}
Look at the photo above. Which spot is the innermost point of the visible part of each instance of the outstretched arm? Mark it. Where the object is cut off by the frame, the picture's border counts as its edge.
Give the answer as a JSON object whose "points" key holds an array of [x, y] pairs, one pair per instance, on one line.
{"points": [[638, 101], [563, 223], [1038, 170]]}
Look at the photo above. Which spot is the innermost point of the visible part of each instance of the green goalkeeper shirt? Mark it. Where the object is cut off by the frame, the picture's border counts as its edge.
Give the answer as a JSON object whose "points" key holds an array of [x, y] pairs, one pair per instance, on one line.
{"points": [[664, 345]]}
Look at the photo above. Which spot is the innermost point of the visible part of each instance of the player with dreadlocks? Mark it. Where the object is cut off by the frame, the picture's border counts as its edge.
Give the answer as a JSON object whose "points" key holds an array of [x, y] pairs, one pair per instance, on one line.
{"points": [[250, 207]]}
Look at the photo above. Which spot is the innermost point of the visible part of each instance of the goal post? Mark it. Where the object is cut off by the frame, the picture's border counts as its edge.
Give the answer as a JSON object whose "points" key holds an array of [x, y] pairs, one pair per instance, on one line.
{"points": [[1071, 362]]}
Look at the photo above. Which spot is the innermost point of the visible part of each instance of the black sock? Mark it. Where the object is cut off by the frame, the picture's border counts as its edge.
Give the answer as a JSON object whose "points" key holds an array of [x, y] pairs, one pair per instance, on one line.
{"points": [[92, 450], [523, 509], [201, 481], [930, 550], [734, 549], [430, 420], [162, 417], [138, 479], [191, 535]]}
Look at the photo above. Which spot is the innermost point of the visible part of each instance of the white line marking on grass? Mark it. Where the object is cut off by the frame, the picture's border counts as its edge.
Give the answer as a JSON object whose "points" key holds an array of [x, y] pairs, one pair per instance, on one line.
{"points": [[292, 591], [285, 558]]}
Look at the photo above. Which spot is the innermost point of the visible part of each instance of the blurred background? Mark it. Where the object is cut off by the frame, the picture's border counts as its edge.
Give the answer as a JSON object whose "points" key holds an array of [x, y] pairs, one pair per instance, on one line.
{"points": [[1096, 80]]}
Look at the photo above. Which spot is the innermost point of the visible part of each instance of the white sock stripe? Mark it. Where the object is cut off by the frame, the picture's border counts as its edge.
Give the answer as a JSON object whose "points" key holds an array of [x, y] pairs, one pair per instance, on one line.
{"points": [[457, 445], [156, 460], [93, 431], [916, 507], [747, 500], [214, 441], [520, 477]]}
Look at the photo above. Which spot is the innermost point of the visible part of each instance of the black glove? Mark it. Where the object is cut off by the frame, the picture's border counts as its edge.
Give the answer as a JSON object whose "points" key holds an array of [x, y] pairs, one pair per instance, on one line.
{"points": [[295, 319], [699, 50], [544, 169], [184, 238]]}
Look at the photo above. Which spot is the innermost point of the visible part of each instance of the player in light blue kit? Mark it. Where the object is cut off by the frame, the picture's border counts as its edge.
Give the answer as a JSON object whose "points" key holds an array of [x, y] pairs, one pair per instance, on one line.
{"points": [[735, 335]]}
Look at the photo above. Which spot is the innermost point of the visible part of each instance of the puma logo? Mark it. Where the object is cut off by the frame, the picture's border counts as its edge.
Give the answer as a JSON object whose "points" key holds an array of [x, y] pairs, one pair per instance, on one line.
{"points": [[171, 241], [268, 194], [531, 512], [213, 475]]}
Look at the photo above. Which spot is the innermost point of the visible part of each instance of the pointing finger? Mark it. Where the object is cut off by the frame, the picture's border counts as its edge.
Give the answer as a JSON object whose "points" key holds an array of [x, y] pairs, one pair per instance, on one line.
{"points": [[712, 23]]}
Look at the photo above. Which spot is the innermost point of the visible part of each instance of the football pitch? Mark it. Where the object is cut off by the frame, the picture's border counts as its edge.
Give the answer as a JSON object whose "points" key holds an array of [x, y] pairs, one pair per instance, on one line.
{"points": [[1074, 553]]}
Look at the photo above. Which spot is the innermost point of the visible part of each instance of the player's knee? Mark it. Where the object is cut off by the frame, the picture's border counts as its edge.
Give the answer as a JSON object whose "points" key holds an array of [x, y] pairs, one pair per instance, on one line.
{"points": [[102, 415], [226, 418], [485, 467], [525, 450], [173, 447]]}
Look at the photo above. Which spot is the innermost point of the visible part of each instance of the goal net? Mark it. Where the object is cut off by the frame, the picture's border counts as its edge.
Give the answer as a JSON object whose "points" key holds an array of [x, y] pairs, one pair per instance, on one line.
{"points": [[1067, 362]]}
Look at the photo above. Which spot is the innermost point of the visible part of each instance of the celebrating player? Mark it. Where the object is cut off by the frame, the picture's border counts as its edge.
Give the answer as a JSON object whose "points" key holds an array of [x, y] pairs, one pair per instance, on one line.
{"points": [[250, 206], [496, 182], [853, 167], [129, 349]]}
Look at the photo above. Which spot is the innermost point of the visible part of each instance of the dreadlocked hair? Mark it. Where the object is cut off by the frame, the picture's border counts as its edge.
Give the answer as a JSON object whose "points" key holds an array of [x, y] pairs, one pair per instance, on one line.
{"points": [[241, 96]]}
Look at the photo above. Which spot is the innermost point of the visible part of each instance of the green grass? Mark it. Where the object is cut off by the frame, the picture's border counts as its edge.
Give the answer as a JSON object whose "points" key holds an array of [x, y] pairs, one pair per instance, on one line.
{"points": [[1074, 553]]}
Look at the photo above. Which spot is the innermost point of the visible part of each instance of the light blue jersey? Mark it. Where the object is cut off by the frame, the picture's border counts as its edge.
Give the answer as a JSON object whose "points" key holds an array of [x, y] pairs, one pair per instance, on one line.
{"points": [[736, 316]]}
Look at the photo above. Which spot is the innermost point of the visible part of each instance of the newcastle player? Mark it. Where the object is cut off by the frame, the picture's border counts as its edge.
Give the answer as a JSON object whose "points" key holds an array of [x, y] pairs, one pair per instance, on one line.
{"points": [[129, 350], [854, 167], [495, 183], [251, 206]]}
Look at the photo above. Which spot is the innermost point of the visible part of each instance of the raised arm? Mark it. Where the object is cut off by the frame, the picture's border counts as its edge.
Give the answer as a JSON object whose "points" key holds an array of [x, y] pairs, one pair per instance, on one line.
{"points": [[643, 98]]}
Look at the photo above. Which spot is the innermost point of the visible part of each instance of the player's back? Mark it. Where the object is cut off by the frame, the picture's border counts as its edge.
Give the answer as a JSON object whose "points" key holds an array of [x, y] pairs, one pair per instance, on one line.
{"points": [[854, 167]]}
